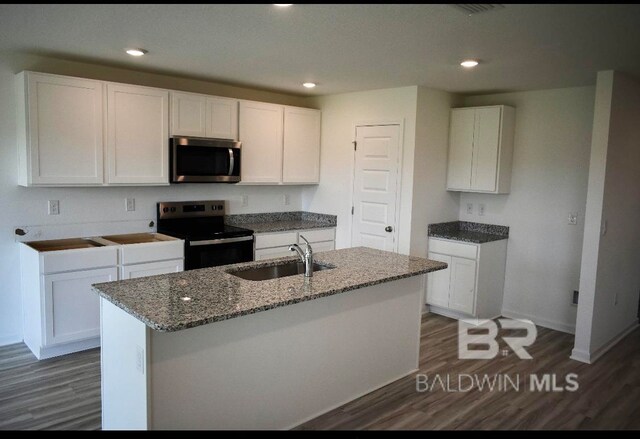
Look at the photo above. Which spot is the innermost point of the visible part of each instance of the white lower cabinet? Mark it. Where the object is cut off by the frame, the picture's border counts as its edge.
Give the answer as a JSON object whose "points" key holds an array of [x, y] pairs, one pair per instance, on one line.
{"points": [[61, 312], [72, 310], [276, 245], [473, 283]]}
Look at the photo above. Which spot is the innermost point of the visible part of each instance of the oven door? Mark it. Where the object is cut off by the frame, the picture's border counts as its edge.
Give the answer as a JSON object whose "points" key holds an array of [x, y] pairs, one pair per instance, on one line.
{"points": [[215, 252], [204, 161]]}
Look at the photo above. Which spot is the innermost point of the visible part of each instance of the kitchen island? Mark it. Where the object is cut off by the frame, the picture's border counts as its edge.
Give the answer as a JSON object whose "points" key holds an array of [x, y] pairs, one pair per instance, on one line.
{"points": [[205, 349]]}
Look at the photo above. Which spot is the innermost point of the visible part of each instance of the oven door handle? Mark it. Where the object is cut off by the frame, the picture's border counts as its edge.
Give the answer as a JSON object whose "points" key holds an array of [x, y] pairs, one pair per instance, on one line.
{"points": [[220, 241], [232, 162]]}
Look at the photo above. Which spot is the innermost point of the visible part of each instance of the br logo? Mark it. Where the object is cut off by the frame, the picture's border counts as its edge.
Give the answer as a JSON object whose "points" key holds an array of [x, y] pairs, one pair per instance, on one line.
{"points": [[487, 338]]}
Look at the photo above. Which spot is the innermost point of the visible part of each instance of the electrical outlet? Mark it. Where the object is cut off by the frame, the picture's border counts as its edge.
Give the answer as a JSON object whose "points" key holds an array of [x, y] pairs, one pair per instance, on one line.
{"points": [[54, 207], [572, 219], [130, 204], [480, 209], [469, 208], [140, 359], [575, 297], [287, 199], [245, 200]]}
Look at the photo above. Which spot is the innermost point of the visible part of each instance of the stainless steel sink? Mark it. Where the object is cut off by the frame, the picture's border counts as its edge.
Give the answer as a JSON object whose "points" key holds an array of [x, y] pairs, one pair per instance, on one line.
{"points": [[276, 271]]}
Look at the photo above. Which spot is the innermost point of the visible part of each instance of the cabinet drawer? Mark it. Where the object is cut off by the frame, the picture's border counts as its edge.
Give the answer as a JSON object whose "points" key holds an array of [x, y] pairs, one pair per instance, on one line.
{"points": [[267, 240], [80, 259], [275, 252], [318, 235], [156, 251], [322, 246], [450, 248]]}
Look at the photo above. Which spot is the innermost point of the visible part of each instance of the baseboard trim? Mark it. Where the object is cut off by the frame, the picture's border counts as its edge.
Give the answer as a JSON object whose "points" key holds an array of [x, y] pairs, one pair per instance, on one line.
{"points": [[557, 326], [455, 314], [596, 354], [580, 355], [6, 340]]}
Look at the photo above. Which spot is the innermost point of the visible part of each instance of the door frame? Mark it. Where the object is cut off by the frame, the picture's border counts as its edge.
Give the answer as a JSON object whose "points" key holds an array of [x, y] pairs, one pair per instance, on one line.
{"points": [[368, 123]]}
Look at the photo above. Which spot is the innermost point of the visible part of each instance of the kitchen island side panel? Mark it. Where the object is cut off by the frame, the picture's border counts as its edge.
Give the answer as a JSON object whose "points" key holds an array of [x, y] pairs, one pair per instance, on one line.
{"points": [[278, 368]]}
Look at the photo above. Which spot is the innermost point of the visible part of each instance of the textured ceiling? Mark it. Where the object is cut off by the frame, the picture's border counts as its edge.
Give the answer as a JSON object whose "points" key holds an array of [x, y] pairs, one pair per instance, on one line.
{"points": [[341, 47]]}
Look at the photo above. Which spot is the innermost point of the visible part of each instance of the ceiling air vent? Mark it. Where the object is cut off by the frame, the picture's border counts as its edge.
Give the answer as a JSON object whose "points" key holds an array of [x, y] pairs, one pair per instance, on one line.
{"points": [[472, 9]]}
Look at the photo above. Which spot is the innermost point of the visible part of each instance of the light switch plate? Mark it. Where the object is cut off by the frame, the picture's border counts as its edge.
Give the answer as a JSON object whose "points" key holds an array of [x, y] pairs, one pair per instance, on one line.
{"points": [[469, 208], [480, 209], [245, 200], [287, 199], [572, 219]]}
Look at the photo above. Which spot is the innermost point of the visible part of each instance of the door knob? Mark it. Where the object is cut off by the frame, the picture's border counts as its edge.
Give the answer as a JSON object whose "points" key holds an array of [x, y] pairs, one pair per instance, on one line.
{"points": [[388, 229]]}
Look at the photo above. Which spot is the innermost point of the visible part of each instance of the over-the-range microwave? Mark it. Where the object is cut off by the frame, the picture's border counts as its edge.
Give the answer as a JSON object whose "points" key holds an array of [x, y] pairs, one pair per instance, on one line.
{"points": [[201, 160]]}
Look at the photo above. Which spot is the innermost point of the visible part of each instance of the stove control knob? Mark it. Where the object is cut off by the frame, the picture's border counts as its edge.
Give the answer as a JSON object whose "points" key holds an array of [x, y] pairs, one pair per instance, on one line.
{"points": [[220, 207], [173, 209], [165, 210]]}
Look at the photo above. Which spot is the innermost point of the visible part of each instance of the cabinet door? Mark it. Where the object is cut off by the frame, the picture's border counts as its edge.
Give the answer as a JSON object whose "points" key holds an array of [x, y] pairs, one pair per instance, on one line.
{"points": [[222, 118], [460, 148], [72, 308], [188, 114], [301, 155], [463, 285], [486, 145], [152, 268], [137, 135], [64, 130], [438, 282], [261, 137]]}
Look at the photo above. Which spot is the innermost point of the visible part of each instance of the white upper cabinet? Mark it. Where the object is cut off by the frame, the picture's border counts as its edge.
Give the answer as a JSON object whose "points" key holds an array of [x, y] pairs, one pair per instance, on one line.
{"points": [[137, 135], [188, 114], [481, 149], [199, 115], [301, 154], [261, 136], [60, 130], [280, 144]]}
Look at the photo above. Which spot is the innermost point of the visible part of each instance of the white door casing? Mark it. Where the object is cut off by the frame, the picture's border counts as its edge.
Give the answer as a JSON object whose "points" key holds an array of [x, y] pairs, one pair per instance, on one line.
{"points": [[375, 189]]}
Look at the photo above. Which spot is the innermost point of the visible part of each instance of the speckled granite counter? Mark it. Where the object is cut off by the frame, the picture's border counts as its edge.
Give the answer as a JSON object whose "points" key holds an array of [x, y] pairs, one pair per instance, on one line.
{"points": [[214, 294], [465, 231], [281, 221]]}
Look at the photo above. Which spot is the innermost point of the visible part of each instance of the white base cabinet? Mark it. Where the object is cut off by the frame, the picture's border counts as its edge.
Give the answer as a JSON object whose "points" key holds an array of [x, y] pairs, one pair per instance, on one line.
{"points": [[61, 313], [276, 245], [473, 283]]}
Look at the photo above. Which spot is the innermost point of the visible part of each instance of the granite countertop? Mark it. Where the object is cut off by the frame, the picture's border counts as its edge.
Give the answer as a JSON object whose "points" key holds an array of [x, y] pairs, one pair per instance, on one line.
{"points": [[171, 302], [465, 231], [281, 221]]}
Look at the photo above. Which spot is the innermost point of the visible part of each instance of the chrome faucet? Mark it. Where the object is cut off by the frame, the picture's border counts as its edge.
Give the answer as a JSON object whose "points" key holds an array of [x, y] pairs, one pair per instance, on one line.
{"points": [[306, 257]]}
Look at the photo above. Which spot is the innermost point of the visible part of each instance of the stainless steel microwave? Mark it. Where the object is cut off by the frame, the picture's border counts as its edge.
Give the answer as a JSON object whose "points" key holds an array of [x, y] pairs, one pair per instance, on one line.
{"points": [[200, 160]]}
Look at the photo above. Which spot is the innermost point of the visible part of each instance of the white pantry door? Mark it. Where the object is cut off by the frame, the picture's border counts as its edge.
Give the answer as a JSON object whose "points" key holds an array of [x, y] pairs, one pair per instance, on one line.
{"points": [[375, 187]]}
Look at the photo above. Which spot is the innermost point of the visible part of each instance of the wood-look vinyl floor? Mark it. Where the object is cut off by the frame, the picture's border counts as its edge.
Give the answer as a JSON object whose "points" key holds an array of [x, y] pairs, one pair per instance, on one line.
{"points": [[64, 392]]}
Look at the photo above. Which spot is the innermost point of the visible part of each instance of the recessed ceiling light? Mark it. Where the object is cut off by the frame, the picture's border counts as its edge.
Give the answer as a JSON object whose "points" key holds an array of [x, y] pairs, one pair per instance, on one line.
{"points": [[283, 5], [468, 63], [309, 84], [136, 52]]}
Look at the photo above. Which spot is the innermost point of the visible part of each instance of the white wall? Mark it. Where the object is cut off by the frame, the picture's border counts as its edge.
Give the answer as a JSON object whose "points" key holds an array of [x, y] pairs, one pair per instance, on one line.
{"points": [[549, 180], [610, 276], [28, 206], [432, 203], [340, 114]]}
